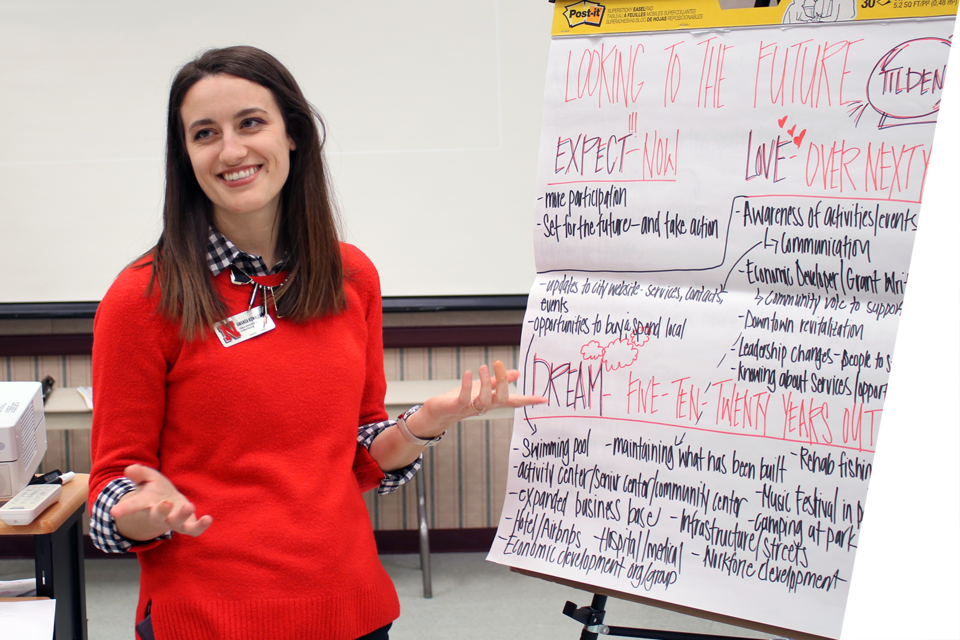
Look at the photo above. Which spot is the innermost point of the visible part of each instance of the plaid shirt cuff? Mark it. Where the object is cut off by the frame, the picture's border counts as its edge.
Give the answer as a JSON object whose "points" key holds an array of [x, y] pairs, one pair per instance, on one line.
{"points": [[103, 527], [392, 480]]}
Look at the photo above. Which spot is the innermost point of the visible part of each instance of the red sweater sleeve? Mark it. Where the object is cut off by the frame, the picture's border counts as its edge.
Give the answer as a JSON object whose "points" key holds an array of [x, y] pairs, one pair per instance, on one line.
{"points": [[363, 275], [133, 348]]}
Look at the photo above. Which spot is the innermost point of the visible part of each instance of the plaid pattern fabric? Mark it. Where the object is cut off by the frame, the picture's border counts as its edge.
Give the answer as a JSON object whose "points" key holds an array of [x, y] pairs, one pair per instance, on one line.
{"points": [[221, 253], [103, 528], [392, 480]]}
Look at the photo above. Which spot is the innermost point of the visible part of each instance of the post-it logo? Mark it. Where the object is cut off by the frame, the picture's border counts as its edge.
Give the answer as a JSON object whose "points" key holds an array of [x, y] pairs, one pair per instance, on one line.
{"points": [[590, 13]]}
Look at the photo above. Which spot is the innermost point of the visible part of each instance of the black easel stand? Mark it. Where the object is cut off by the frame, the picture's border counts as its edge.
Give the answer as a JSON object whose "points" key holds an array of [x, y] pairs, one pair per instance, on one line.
{"points": [[592, 620]]}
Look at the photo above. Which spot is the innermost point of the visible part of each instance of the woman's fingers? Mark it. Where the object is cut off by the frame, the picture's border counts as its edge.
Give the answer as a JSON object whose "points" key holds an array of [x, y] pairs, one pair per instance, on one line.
{"points": [[495, 392], [126, 507], [489, 392], [150, 481], [194, 527], [179, 517], [484, 400], [140, 474], [133, 502], [159, 514], [466, 389], [180, 514], [501, 381], [523, 401], [152, 488], [165, 508]]}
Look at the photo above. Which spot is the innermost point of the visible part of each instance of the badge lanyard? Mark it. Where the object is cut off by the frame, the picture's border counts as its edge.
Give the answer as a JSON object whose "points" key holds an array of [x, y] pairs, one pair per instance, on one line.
{"points": [[254, 321], [239, 277]]}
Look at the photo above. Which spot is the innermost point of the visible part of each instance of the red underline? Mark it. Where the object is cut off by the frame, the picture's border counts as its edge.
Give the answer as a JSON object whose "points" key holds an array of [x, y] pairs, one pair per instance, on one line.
{"points": [[695, 428], [827, 197], [553, 184]]}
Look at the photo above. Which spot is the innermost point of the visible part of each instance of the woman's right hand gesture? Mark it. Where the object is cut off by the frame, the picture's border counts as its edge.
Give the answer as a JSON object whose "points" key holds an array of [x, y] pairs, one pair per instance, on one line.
{"points": [[155, 507]]}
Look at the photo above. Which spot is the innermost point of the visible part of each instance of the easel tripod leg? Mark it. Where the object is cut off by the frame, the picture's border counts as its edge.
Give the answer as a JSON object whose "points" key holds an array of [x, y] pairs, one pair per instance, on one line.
{"points": [[592, 620], [590, 617], [598, 603]]}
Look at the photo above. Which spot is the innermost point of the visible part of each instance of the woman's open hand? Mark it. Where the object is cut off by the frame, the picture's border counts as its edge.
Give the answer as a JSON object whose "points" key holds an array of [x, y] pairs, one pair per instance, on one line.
{"points": [[470, 399], [155, 507]]}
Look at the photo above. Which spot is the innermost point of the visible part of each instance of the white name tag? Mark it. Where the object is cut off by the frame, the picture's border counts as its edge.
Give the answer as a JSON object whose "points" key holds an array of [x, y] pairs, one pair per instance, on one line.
{"points": [[243, 326]]}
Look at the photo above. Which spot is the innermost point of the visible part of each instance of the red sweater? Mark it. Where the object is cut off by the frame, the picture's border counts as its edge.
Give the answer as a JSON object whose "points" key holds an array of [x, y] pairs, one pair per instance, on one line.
{"points": [[261, 436]]}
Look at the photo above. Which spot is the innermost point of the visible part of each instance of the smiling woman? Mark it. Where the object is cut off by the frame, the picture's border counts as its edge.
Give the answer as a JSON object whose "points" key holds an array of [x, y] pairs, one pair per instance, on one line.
{"points": [[245, 347], [240, 152], [232, 110]]}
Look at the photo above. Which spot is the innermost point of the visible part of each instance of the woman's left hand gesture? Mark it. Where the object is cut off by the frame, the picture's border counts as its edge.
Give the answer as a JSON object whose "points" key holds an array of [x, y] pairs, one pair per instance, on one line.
{"points": [[393, 450], [472, 398]]}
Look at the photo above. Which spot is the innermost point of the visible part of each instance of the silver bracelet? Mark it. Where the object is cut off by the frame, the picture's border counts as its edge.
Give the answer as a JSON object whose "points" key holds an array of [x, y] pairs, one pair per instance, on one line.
{"points": [[412, 439]]}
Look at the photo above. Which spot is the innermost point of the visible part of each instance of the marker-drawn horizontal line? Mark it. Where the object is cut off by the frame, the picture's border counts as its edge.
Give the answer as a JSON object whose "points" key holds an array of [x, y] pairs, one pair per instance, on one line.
{"points": [[567, 270], [828, 196], [551, 184]]}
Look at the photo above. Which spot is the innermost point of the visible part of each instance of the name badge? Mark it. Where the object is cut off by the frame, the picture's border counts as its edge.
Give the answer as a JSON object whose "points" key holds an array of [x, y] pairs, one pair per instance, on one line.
{"points": [[243, 326]]}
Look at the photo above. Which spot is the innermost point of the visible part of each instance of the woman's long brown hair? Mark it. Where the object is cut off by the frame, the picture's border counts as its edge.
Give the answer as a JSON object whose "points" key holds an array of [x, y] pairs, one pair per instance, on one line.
{"points": [[308, 221]]}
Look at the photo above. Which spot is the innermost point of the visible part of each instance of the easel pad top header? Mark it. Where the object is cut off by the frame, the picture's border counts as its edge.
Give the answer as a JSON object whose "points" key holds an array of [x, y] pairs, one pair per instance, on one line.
{"points": [[587, 18]]}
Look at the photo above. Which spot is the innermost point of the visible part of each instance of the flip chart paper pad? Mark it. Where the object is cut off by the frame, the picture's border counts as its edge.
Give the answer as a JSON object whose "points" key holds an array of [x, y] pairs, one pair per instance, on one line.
{"points": [[723, 233]]}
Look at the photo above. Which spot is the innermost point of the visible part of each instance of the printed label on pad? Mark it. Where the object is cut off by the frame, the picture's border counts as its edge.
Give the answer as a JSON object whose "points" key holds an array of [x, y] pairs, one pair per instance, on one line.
{"points": [[243, 326]]}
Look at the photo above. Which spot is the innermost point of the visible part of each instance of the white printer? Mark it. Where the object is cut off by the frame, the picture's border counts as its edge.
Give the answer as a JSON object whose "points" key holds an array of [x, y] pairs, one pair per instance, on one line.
{"points": [[23, 435]]}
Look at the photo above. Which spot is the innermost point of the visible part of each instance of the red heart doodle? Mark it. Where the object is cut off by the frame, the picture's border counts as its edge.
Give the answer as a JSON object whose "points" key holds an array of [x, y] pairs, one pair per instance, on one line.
{"points": [[792, 129], [782, 121], [798, 140]]}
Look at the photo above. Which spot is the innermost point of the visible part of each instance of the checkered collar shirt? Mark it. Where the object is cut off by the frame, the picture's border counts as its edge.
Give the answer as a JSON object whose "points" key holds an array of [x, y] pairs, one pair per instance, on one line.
{"points": [[221, 253]]}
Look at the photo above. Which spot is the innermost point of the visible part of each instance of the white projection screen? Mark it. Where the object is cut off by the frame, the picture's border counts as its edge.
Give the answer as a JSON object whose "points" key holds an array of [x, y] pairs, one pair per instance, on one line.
{"points": [[432, 110]]}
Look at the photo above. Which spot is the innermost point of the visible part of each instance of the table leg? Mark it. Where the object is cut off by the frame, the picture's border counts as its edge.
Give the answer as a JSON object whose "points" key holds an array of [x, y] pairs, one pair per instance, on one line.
{"points": [[60, 575]]}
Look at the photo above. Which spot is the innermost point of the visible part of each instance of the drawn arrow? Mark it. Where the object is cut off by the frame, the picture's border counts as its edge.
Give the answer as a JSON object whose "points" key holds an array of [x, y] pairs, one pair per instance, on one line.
{"points": [[729, 273]]}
